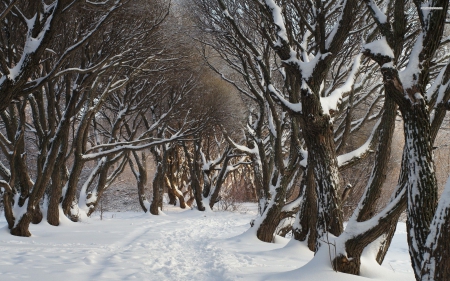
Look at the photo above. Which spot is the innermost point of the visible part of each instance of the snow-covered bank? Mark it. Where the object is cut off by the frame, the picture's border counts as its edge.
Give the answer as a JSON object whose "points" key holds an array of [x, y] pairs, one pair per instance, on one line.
{"points": [[187, 245]]}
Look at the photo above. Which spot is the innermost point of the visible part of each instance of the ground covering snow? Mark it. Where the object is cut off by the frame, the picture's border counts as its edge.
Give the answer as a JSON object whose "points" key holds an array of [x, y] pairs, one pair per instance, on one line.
{"points": [[181, 245]]}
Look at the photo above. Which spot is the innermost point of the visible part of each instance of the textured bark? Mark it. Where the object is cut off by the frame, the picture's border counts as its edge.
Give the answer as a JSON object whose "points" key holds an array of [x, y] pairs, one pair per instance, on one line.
{"points": [[219, 182], [348, 123], [141, 177], [196, 187], [436, 264], [21, 228], [306, 216], [422, 187], [7, 205], [351, 262], [158, 183], [12, 87], [58, 180], [173, 190], [266, 230], [383, 153], [274, 212], [77, 167], [158, 180], [72, 184], [386, 243], [389, 233], [43, 179], [99, 188], [175, 176], [319, 139], [417, 163], [53, 206], [195, 172], [141, 191]]}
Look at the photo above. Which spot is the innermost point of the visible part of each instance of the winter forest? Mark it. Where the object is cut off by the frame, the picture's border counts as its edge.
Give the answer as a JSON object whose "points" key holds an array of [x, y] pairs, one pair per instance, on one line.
{"points": [[225, 140]]}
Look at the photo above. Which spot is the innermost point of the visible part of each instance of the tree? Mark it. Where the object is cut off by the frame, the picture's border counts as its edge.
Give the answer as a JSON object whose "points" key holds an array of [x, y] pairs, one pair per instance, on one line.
{"points": [[65, 112], [410, 90], [269, 60], [28, 30]]}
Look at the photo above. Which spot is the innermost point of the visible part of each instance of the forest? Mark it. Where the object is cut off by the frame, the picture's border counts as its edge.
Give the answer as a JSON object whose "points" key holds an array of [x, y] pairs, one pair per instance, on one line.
{"points": [[330, 116]]}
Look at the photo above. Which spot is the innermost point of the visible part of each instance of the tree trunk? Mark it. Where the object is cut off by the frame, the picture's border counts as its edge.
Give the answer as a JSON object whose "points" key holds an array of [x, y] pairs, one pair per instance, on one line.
{"points": [[37, 215], [422, 186], [436, 264], [305, 226], [195, 172], [95, 196], [383, 153], [196, 187], [383, 228], [55, 198], [173, 182], [157, 190], [71, 192], [21, 228], [271, 217], [141, 177], [173, 189], [172, 197], [319, 138], [219, 182], [368, 203], [7, 205], [389, 234], [141, 190]]}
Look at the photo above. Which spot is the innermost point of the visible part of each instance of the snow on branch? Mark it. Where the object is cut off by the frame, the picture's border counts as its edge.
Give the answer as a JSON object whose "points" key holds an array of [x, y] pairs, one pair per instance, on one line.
{"points": [[349, 158], [409, 75], [295, 107], [5, 187], [32, 44], [278, 20], [38, 82], [128, 146], [379, 50], [440, 88], [332, 101], [378, 15]]}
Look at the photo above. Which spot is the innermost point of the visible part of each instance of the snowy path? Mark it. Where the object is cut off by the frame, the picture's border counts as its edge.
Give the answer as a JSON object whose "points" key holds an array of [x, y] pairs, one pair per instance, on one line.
{"points": [[181, 246]]}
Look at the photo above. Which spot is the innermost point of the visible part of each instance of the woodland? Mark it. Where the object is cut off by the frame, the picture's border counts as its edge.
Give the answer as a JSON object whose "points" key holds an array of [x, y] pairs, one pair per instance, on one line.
{"points": [[321, 112]]}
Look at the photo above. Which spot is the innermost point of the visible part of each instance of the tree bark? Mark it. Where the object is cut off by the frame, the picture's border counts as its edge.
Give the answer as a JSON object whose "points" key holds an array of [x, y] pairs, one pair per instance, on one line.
{"points": [[422, 187], [157, 190], [305, 226], [383, 153], [319, 139], [55, 197], [436, 263]]}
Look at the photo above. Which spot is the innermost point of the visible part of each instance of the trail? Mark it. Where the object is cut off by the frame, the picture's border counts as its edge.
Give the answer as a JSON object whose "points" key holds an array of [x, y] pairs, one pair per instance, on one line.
{"points": [[188, 245], [181, 246]]}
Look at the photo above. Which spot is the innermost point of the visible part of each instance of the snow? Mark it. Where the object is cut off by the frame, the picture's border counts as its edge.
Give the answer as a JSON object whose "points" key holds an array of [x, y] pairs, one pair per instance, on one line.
{"points": [[407, 76], [437, 230], [379, 15], [380, 47], [277, 19], [295, 107], [360, 151], [332, 101], [183, 245]]}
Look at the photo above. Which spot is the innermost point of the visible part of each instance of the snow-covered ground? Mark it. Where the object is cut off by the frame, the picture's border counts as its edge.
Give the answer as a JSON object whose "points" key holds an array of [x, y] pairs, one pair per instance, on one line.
{"points": [[182, 245]]}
